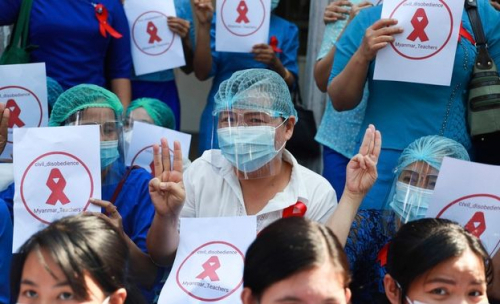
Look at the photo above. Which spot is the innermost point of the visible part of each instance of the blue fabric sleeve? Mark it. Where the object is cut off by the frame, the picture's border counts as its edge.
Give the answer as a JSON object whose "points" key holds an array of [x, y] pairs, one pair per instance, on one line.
{"points": [[5, 252], [7, 196], [290, 48], [119, 53], [215, 54], [490, 18], [9, 9]]}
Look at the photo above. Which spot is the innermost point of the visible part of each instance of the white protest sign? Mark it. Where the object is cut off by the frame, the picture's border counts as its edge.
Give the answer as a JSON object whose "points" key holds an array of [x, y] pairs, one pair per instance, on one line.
{"points": [[425, 51], [210, 258], [154, 46], [56, 171], [241, 24], [468, 193], [23, 89], [145, 135]]}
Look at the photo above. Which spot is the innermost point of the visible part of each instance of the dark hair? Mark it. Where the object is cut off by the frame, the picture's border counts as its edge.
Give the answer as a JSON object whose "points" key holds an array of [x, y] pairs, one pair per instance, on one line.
{"points": [[287, 247], [421, 245], [80, 245]]}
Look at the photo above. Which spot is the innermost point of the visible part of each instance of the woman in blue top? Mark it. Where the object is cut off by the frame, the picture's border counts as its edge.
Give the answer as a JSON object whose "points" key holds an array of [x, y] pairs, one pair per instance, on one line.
{"points": [[67, 36], [221, 65], [338, 130], [5, 252], [414, 181], [404, 111], [161, 85]]}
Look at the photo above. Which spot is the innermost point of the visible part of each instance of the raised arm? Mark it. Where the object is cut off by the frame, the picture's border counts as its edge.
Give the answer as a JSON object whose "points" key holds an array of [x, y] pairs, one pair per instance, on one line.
{"points": [[168, 195], [202, 62], [361, 174], [346, 89]]}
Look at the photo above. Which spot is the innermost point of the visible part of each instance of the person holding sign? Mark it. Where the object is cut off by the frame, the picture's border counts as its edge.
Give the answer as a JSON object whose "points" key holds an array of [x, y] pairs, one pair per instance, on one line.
{"points": [[313, 256], [125, 197], [436, 261], [280, 55], [80, 259], [405, 111], [252, 174], [93, 46], [366, 235]]}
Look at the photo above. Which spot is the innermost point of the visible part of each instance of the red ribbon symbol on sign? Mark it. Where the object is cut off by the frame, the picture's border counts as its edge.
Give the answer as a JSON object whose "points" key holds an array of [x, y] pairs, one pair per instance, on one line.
{"points": [[56, 183], [153, 33], [242, 10], [476, 225], [101, 13], [210, 266], [419, 22], [299, 209], [15, 111]]}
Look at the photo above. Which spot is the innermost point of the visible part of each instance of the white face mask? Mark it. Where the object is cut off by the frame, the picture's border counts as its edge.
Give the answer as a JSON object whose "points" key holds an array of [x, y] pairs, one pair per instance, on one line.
{"points": [[409, 202], [414, 302], [127, 139]]}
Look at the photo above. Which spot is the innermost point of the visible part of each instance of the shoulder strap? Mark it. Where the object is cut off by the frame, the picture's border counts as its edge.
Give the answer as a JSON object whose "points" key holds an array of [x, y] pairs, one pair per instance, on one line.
{"points": [[21, 28], [483, 60], [122, 183]]}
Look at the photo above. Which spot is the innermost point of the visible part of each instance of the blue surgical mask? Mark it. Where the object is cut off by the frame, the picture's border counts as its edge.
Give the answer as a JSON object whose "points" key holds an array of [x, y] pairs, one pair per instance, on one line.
{"points": [[248, 148], [409, 202], [109, 152], [274, 4]]}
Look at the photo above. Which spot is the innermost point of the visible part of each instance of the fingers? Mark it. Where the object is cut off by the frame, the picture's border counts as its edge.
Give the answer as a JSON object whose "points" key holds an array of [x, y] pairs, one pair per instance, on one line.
{"points": [[4, 126], [165, 155], [109, 208], [377, 147], [366, 144], [157, 161], [383, 23], [177, 157], [178, 26]]}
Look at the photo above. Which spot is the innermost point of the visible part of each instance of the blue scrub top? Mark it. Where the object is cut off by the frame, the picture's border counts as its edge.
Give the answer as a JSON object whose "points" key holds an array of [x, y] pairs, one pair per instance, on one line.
{"points": [[73, 48], [224, 64], [5, 252], [405, 111]]}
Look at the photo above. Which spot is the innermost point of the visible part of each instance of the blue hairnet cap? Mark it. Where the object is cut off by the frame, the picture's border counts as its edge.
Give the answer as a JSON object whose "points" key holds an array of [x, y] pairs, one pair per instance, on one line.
{"points": [[54, 89], [82, 97], [159, 111], [256, 89], [431, 149]]}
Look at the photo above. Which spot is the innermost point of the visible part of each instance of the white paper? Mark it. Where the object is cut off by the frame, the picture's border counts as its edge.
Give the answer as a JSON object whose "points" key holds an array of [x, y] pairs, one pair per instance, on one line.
{"points": [[468, 193], [24, 88], [209, 262], [425, 51], [241, 24], [56, 171], [154, 46], [145, 135]]}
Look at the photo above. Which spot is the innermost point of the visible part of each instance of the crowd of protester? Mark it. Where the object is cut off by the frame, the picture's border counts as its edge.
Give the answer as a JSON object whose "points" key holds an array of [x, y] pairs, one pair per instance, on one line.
{"points": [[362, 235]]}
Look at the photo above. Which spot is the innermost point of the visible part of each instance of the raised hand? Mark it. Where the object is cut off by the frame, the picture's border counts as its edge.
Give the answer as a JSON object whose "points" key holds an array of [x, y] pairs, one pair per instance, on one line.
{"points": [[264, 53], [337, 10], [204, 11], [361, 171], [111, 214], [378, 36], [167, 188]]}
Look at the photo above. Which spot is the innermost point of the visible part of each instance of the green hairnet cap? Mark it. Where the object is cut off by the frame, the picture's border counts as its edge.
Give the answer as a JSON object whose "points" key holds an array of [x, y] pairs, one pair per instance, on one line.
{"points": [[82, 97], [256, 89], [159, 111], [431, 149], [54, 89]]}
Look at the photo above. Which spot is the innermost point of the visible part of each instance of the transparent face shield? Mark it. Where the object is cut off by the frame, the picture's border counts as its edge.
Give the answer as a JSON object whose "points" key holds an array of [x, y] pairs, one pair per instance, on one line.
{"points": [[251, 140], [412, 191], [111, 137], [139, 115]]}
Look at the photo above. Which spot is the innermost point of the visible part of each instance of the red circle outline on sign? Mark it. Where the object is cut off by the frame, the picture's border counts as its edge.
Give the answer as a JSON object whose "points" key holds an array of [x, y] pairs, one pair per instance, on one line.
{"points": [[192, 253], [467, 197], [245, 35], [439, 50], [45, 155], [137, 45], [34, 95], [140, 151]]}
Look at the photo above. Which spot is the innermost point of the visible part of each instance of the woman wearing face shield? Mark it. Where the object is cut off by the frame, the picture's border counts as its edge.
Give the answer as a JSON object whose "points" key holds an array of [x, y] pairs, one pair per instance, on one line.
{"points": [[252, 173], [366, 237], [125, 197], [436, 261]]}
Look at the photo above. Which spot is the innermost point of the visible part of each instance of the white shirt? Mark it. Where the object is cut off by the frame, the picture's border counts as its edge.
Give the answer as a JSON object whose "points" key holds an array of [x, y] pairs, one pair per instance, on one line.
{"points": [[213, 190]]}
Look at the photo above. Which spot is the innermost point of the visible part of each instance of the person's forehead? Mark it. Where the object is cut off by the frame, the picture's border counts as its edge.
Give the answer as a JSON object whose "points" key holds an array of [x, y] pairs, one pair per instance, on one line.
{"points": [[98, 113]]}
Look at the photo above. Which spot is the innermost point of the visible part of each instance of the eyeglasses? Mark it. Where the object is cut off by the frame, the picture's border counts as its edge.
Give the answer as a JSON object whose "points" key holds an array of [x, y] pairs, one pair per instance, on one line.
{"points": [[249, 119], [108, 129], [422, 180]]}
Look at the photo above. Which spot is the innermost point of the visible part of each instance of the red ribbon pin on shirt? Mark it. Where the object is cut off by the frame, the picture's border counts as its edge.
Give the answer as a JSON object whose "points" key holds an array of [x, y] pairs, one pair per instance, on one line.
{"points": [[15, 111], [299, 209], [419, 23], [242, 11], [101, 13], [56, 184], [274, 44]]}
